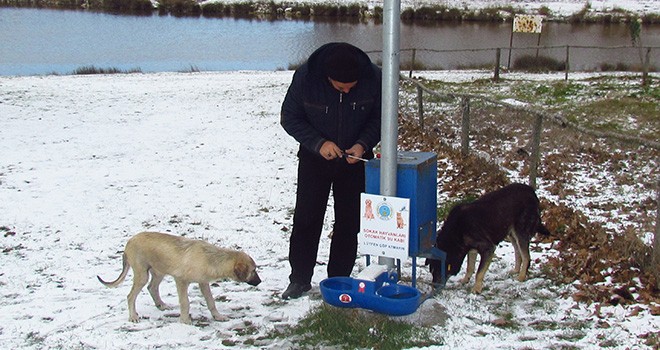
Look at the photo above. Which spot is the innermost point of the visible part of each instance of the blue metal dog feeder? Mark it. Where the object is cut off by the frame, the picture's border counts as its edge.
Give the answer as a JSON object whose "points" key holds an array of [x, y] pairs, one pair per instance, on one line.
{"points": [[416, 180]]}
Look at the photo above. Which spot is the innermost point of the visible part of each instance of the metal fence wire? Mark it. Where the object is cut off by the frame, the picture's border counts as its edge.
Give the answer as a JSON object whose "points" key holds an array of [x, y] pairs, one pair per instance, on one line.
{"points": [[564, 58]]}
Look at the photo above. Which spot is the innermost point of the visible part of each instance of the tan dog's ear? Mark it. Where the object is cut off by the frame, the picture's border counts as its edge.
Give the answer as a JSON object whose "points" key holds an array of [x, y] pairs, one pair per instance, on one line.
{"points": [[242, 271]]}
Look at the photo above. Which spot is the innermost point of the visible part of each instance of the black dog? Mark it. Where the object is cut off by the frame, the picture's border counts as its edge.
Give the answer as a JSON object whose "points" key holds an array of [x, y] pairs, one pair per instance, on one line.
{"points": [[478, 227]]}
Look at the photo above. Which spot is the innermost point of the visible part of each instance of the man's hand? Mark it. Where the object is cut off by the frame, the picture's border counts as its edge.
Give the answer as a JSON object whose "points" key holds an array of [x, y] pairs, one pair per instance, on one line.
{"points": [[357, 151], [330, 151]]}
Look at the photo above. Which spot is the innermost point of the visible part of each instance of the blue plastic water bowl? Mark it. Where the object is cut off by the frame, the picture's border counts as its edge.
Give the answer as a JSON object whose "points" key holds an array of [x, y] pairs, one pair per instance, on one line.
{"points": [[338, 291], [386, 298], [395, 300]]}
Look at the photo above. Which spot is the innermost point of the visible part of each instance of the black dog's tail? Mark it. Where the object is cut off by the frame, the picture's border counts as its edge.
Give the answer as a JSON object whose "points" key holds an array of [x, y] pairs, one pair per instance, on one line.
{"points": [[542, 230]]}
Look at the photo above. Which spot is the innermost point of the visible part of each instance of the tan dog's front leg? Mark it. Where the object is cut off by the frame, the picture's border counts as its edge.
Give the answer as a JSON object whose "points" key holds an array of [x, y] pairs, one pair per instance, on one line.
{"points": [[184, 304], [210, 302], [471, 262]]}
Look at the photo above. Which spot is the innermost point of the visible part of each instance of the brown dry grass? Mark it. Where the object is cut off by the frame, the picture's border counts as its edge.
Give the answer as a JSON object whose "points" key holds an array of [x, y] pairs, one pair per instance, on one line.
{"points": [[606, 266]]}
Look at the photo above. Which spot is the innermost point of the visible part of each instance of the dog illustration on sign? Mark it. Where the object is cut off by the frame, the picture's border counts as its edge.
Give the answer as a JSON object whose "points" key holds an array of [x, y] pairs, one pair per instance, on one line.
{"points": [[368, 210]]}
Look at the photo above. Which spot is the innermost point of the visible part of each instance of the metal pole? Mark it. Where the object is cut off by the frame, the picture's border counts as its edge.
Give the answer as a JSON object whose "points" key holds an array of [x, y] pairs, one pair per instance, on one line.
{"points": [[390, 104]]}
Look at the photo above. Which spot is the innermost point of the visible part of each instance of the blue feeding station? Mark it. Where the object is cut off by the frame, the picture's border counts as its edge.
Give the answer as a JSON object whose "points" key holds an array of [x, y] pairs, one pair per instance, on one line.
{"points": [[376, 288]]}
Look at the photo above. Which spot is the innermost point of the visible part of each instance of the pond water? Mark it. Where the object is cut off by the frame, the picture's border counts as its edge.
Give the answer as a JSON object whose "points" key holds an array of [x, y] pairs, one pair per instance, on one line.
{"points": [[42, 41]]}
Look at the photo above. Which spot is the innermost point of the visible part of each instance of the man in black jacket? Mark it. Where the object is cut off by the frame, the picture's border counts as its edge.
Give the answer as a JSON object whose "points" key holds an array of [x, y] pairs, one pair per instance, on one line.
{"points": [[333, 109]]}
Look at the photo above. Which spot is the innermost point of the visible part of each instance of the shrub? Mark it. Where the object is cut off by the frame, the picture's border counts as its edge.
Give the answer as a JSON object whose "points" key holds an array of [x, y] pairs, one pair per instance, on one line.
{"points": [[538, 64], [215, 9], [180, 7], [128, 6], [95, 70]]}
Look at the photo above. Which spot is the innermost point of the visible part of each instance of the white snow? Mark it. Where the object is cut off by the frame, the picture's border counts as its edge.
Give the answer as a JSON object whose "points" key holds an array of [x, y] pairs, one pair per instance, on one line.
{"points": [[88, 161]]}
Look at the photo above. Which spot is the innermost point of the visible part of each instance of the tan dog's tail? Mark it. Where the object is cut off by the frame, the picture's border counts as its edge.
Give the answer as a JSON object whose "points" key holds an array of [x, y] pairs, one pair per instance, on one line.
{"points": [[122, 276]]}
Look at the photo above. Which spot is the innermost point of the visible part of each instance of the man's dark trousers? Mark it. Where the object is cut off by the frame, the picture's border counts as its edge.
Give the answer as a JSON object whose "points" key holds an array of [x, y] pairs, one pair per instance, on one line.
{"points": [[316, 176]]}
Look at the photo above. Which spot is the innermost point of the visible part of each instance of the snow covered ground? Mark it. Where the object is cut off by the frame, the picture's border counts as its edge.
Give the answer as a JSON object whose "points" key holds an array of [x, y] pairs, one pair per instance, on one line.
{"points": [[558, 7], [88, 161]]}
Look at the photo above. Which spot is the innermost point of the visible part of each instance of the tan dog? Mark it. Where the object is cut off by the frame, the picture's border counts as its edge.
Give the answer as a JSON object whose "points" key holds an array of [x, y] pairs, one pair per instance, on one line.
{"points": [[186, 260]]}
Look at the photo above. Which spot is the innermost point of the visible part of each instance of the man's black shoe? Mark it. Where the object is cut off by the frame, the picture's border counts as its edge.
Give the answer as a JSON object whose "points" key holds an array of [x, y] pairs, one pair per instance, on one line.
{"points": [[295, 290]]}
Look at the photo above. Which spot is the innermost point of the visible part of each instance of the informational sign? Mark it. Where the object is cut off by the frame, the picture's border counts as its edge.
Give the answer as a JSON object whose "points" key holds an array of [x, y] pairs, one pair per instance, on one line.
{"points": [[384, 226], [527, 24]]}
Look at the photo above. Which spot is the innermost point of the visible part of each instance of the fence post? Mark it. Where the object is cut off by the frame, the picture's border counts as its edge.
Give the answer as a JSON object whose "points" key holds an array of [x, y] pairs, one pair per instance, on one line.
{"points": [[567, 62], [465, 126], [656, 235], [497, 64], [645, 73], [412, 65], [535, 159], [420, 106]]}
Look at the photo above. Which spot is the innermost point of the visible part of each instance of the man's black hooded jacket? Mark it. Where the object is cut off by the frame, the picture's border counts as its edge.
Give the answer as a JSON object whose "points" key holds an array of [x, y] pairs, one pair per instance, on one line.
{"points": [[313, 111]]}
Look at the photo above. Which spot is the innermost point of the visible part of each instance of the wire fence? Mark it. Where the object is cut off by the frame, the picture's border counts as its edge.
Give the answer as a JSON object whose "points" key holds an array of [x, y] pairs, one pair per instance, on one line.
{"points": [[565, 58], [555, 147]]}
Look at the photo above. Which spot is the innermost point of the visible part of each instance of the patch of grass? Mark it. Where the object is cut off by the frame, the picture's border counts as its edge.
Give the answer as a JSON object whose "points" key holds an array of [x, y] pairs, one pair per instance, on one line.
{"points": [[613, 115], [544, 325], [545, 11], [571, 335], [192, 69], [294, 66], [248, 328], [96, 70], [229, 342], [354, 328], [652, 339], [606, 103], [34, 338], [548, 94], [507, 320], [563, 91]]}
